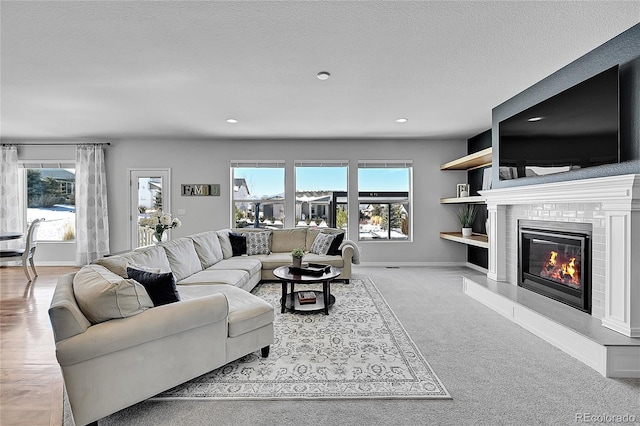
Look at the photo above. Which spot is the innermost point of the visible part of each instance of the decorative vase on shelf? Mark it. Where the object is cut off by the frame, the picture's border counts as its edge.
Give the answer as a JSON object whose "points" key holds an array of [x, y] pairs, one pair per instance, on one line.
{"points": [[466, 232], [486, 226]]}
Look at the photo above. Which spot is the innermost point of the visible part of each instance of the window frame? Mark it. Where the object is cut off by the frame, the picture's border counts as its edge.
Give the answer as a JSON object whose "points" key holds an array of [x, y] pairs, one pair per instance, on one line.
{"points": [[262, 164], [388, 198], [24, 166], [333, 195]]}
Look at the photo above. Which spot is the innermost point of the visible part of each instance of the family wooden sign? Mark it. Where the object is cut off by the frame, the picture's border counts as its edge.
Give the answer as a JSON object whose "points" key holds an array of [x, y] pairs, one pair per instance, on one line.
{"points": [[200, 189]]}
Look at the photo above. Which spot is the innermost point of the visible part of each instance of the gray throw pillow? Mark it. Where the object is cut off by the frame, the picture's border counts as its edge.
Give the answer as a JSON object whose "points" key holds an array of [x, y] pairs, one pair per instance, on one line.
{"points": [[322, 243], [258, 242]]}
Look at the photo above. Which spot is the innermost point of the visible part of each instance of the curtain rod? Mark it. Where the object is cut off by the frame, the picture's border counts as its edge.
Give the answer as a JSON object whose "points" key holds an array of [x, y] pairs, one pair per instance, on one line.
{"points": [[56, 144]]}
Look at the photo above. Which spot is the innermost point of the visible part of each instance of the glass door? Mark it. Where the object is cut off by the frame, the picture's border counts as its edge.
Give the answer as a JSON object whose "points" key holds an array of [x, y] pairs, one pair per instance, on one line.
{"points": [[149, 194]]}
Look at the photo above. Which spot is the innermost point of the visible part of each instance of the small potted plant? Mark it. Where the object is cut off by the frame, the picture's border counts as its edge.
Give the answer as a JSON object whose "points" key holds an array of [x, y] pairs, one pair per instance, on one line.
{"points": [[467, 215], [297, 255]]}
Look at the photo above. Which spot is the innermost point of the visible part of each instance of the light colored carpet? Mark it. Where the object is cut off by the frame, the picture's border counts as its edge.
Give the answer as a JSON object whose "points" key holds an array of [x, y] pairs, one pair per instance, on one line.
{"points": [[359, 350], [497, 372]]}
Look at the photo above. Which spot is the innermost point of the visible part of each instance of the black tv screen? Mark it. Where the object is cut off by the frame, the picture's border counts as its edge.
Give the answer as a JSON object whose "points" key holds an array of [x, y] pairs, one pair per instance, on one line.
{"points": [[575, 129]]}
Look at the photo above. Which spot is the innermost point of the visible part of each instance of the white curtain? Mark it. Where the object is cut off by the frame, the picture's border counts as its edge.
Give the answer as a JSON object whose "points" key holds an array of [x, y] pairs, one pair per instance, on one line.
{"points": [[10, 212], [92, 219]]}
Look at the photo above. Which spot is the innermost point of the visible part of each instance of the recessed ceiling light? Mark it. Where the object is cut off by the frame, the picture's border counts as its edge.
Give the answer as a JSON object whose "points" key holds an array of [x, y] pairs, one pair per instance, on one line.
{"points": [[323, 75], [402, 120], [532, 119], [232, 120]]}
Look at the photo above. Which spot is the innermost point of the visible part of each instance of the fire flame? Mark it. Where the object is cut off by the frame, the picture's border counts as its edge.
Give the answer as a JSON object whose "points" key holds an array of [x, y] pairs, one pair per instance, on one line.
{"points": [[565, 273]]}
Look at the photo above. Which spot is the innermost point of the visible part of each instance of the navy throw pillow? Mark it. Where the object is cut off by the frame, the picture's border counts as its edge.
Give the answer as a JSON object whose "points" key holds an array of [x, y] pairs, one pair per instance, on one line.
{"points": [[334, 249], [238, 243], [161, 287]]}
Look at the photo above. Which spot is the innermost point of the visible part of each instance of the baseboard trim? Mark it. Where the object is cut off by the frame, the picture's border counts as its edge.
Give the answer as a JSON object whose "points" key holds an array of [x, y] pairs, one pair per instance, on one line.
{"points": [[407, 264], [476, 267]]}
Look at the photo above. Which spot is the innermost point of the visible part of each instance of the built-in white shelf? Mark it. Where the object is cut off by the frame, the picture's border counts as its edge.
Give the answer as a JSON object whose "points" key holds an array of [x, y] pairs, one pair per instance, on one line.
{"points": [[478, 240], [471, 161], [463, 200]]}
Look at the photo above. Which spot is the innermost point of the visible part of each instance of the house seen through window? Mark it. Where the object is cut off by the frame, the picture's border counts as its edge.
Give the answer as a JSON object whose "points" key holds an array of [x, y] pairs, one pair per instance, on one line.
{"points": [[384, 198], [258, 194], [51, 194], [321, 194]]}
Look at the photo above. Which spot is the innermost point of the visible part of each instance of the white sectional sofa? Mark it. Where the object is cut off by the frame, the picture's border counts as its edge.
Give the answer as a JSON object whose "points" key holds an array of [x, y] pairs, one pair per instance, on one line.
{"points": [[117, 345]]}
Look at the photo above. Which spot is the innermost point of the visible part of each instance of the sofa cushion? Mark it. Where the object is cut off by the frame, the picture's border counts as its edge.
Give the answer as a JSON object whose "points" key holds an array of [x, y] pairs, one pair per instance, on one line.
{"points": [[103, 295], [161, 287], [238, 244], [142, 268], [274, 260], [152, 257], [250, 264], [311, 236], [225, 243], [258, 242], [285, 240], [208, 247], [116, 264], [182, 257], [325, 259], [236, 278], [322, 243], [246, 311]]}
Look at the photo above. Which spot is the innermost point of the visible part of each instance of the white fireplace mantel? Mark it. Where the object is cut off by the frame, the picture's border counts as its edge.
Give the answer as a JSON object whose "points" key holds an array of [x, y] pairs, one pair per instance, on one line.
{"points": [[619, 200]]}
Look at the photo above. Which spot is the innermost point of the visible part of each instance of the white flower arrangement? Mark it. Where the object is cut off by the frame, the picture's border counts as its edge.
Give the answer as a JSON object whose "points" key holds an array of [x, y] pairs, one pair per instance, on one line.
{"points": [[160, 222]]}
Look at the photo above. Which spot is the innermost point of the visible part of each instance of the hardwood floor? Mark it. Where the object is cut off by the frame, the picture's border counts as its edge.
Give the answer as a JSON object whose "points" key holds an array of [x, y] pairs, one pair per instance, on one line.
{"points": [[30, 379]]}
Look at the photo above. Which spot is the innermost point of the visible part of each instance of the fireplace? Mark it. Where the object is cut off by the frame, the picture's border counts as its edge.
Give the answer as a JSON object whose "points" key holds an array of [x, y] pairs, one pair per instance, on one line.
{"points": [[554, 259]]}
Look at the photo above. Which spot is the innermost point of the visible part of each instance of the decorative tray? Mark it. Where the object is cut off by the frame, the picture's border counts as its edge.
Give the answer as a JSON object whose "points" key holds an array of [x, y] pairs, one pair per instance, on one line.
{"points": [[314, 269]]}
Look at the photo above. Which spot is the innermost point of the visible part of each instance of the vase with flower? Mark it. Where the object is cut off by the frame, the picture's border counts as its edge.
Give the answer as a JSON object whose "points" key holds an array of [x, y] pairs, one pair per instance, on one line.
{"points": [[160, 222]]}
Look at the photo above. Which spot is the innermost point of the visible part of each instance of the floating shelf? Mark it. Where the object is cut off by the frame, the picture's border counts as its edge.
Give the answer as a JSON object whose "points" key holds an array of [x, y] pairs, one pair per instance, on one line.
{"points": [[478, 240], [470, 162], [463, 200]]}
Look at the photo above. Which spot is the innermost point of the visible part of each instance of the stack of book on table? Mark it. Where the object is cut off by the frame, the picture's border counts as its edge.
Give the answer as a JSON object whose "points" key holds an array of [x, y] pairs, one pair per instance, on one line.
{"points": [[305, 297]]}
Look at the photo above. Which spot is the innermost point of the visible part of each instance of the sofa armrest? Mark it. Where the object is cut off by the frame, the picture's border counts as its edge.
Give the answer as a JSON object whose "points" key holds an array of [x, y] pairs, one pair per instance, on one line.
{"points": [[350, 252], [66, 318], [152, 324]]}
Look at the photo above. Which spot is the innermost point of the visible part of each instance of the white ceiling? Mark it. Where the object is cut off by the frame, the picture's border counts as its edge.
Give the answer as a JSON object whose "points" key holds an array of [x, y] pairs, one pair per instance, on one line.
{"points": [[95, 69]]}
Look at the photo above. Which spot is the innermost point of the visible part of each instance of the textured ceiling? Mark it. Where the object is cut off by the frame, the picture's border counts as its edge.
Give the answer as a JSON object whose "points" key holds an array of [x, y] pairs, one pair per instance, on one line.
{"points": [[180, 69]]}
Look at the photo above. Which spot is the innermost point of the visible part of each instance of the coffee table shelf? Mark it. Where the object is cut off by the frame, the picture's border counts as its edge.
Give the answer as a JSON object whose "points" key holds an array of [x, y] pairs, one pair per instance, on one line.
{"points": [[294, 304]]}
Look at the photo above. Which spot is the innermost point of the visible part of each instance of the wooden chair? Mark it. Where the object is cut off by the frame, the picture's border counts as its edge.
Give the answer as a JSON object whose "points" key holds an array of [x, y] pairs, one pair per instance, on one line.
{"points": [[26, 254]]}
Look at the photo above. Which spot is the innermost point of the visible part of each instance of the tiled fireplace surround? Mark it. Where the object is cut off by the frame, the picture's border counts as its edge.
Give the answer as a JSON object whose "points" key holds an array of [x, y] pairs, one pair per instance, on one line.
{"points": [[612, 205], [567, 212]]}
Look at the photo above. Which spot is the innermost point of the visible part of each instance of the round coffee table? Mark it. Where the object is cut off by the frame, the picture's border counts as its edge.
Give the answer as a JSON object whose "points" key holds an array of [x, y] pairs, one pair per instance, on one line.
{"points": [[324, 298]]}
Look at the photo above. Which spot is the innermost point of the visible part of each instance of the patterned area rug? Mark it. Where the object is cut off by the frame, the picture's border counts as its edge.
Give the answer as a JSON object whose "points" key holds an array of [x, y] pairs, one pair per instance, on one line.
{"points": [[359, 350]]}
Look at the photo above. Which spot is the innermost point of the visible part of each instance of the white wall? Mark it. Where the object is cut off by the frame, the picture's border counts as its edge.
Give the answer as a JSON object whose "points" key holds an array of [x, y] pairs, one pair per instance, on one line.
{"points": [[207, 161]]}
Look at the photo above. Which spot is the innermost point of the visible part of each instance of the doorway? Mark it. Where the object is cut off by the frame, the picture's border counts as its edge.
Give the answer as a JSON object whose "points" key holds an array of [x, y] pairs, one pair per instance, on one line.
{"points": [[149, 193]]}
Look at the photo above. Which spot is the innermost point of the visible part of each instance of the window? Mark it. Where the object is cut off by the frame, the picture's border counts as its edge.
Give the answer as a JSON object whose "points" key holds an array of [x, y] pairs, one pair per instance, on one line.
{"points": [[258, 194], [321, 193], [50, 193], [384, 198]]}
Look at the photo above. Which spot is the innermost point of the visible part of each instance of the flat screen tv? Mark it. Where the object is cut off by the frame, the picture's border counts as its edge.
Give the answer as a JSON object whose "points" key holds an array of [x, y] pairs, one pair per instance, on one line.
{"points": [[575, 129]]}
